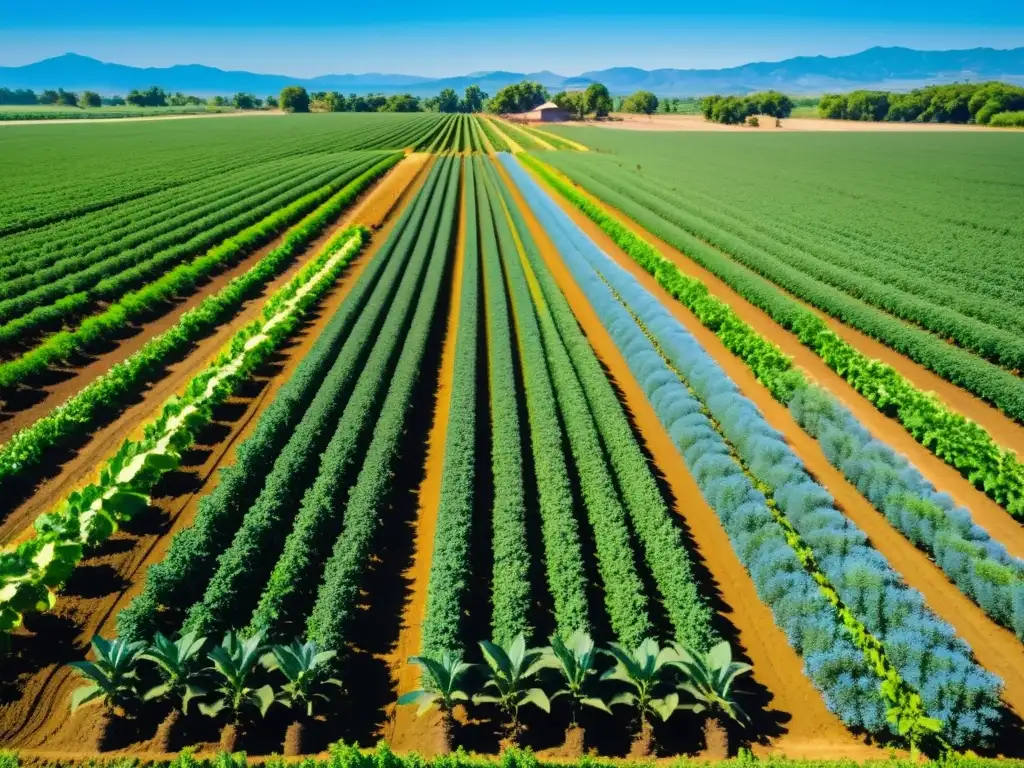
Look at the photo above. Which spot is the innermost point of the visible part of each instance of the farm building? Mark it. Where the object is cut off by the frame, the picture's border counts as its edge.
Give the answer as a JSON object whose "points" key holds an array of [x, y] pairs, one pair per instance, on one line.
{"points": [[548, 112]]}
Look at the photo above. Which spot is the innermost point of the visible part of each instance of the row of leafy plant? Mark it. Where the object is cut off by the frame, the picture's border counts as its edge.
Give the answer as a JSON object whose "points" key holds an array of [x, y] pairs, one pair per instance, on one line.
{"points": [[181, 279], [195, 553], [833, 287], [59, 301], [624, 593], [41, 280], [153, 216], [759, 488], [977, 564], [961, 443], [563, 555], [663, 549], [337, 597], [498, 144], [33, 571], [450, 573], [81, 413]]}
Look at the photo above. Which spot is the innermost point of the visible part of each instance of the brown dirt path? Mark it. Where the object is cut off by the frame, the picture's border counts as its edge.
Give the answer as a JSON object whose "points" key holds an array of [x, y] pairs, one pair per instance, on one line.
{"points": [[34, 690], [404, 731], [810, 729], [996, 648], [1004, 430]]}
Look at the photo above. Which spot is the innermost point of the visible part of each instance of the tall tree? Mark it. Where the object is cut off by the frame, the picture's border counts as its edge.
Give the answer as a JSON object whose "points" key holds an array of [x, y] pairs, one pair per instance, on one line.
{"points": [[448, 101], [89, 99], [641, 103], [474, 99], [598, 100], [294, 99]]}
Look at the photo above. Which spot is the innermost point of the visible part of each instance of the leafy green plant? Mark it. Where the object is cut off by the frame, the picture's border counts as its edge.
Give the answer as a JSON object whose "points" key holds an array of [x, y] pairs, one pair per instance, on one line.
{"points": [[575, 661], [113, 677], [179, 665], [513, 669], [304, 668], [644, 669], [442, 683], [708, 678], [234, 663]]}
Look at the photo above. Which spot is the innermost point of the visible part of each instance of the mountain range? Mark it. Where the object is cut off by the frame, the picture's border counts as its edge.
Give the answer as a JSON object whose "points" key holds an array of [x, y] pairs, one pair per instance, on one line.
{"points": [[883, 68]]}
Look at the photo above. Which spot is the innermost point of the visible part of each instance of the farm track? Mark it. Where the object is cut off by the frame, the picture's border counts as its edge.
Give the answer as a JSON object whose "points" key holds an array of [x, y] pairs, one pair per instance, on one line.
{"points": [[79, 465], [1004, 430], [800, 724], [34, 691], [404, 730], [996, 648]]}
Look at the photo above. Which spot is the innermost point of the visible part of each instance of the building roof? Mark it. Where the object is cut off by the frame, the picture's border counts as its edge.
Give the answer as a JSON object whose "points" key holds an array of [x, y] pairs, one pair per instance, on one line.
{"points": [[546, 105]]}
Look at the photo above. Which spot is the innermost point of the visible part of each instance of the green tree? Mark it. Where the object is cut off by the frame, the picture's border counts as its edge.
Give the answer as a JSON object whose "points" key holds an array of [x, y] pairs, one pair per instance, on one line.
{"points": [[518, 97], [243, 101], [474, 99], [67, 98], [89, 99], [401, 102], [448, 101], [598, 100], [573, 102], [294, 98], [641, 103], [48, 97], [271, 102]]}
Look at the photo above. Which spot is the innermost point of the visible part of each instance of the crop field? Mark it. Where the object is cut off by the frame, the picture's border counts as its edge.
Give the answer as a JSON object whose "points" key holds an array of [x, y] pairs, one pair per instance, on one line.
{"points": [[448, 432]]}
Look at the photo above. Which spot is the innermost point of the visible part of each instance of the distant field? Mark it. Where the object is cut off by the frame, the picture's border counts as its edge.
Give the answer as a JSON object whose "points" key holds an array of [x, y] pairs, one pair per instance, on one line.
{"points": [[54, 112]]}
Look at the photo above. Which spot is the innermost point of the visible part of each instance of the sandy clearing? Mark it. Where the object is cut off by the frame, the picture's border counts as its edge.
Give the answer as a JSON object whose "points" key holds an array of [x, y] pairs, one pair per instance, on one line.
{"points": [[996, 648], [630, 122], [146, 119], [404, 730], [810, 728], [33, 712], [985, 511]]}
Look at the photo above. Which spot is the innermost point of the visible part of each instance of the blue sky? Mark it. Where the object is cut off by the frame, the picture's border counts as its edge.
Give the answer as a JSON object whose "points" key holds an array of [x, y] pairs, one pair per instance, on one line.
{"points": [[449, 37]]}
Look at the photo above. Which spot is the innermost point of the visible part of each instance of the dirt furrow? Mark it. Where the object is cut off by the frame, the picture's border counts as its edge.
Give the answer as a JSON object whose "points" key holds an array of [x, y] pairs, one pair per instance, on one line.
{"points": [[996, 648], [35, 687], [802, 726]]}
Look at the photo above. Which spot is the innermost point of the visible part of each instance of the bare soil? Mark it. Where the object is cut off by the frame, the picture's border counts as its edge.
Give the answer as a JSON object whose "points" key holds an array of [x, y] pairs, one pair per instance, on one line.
{"points": [[630, 122], [35, 687], [406, 732], [996, 648], [795, 721]]}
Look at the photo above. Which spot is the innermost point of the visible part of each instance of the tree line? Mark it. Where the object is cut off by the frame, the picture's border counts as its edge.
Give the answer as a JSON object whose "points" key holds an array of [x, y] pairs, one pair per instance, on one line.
{"points": [[151, 97], [954, 103], [736, 110]]}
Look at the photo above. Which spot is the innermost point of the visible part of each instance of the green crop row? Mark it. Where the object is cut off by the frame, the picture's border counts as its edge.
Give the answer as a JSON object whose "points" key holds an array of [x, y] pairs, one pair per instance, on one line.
{"points": [[625, 599], [450, 565], [33, 570], [284, 604], [181, 279], [709, 247], [511, 581], [959, 442], [670, 563], [978, 566], [337, 598], [40, 282], [80, 413], [497, 143], [192, 557], [567, 581]]}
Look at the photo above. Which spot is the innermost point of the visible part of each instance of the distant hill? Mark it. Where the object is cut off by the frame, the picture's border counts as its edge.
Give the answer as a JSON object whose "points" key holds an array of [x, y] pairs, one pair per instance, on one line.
{"points": [[889, 68]]}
